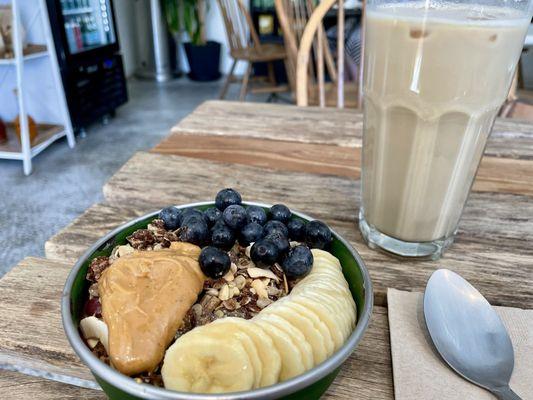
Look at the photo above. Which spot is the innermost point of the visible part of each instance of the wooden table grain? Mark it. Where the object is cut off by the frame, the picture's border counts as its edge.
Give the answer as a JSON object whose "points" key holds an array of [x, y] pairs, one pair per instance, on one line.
{"points": [[310, 159], [327, 142], [18, 386]]}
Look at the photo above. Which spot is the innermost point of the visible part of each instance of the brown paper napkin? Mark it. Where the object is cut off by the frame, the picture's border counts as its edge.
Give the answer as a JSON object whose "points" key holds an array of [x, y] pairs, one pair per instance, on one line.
{"points": [[419, 372]]}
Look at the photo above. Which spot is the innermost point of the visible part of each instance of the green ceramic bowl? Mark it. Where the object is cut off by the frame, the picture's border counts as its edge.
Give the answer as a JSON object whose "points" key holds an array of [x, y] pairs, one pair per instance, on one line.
{"points": [[310, 385]]}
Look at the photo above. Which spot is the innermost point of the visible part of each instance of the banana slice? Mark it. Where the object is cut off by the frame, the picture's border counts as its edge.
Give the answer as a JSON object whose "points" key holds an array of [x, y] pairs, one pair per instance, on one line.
{"points": [[322, 254], [269, 356], [292, 363], [327, 264], [327, 267], [304, 325], [342, 296], [324, 266], [337, 312], [297, 336], [94, 330], [326, 285], [326, 280], [344, 306], [326, 315], [200, 362], [317, 323], [231, 329]]}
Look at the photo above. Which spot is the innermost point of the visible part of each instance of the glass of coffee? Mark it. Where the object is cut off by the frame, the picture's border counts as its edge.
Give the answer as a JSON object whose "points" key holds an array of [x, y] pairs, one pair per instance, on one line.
{"points": [[435, 75]]}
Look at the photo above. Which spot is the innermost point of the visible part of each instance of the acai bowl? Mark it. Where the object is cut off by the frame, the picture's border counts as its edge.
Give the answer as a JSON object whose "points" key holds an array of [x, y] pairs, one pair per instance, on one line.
{"points": [[157, 311]]}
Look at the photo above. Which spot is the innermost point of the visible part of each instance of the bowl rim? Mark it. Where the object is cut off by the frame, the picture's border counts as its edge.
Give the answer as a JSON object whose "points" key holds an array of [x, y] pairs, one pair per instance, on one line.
{"points": [[128, 384]]}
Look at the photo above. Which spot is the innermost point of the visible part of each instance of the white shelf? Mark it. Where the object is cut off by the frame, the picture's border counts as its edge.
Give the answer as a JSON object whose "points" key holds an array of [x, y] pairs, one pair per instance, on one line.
{"points": [[32, 52], [77, 11], [12, 61], [48, 133], [22, 149]]}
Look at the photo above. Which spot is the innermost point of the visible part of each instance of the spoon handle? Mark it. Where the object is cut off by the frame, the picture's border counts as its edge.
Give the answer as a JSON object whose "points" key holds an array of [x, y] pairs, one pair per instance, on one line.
{"points": [[505, 393]]}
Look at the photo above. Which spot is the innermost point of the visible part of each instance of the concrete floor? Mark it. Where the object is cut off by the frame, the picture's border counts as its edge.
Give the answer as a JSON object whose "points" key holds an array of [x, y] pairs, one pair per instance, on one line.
{"points": [[67, 181]]}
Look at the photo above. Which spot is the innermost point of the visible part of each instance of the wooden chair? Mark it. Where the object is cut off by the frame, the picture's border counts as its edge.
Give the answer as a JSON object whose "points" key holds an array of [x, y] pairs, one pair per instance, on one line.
{"points": [[245, 46], [309, 55]]}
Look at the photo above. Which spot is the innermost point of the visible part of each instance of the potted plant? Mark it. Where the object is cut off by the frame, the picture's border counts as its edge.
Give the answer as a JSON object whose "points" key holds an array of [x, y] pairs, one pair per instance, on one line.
{"points": [[203, 55]]}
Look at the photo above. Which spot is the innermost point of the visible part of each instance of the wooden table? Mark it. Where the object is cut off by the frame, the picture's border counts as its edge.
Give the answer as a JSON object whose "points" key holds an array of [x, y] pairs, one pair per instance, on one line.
{"points": [[309, 159]]}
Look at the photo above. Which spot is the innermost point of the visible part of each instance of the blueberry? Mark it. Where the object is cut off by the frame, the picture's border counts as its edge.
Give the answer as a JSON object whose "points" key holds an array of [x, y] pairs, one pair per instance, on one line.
{"points": [[222, 236], [251, 232], [298, 262], [234, 216], [264, 253], [256, 214], [214, 262], [281, 241], [194, 231], [273, 226], [226, 198], [220, 223], [317, 235], [191, 215], [212, 215], [280, 212], [171, 217], [296, 229]]}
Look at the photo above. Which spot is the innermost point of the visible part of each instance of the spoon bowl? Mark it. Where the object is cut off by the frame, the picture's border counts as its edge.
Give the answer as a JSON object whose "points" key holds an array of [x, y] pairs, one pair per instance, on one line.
{"points": [[468, 333]]}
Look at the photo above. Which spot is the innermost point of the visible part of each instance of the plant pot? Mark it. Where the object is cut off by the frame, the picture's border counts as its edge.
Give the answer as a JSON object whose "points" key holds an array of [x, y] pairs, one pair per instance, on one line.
{"points": [[204, 61]]}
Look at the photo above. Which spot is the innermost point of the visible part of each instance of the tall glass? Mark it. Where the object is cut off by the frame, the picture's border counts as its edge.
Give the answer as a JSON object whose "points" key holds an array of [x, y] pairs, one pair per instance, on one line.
{"points": [[435, 75]]}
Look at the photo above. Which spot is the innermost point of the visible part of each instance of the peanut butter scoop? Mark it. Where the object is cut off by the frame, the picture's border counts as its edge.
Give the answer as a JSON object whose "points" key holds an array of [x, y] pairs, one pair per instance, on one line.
{"points": [[144, 297]]}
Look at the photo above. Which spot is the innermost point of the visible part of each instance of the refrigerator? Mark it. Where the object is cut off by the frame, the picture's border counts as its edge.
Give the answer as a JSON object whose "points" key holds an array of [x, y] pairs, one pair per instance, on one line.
{"points": [[88, 53]]}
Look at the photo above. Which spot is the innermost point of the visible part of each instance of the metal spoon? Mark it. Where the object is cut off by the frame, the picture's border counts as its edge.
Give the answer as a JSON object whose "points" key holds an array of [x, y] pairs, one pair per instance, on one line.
{"points": [[468, 333]]}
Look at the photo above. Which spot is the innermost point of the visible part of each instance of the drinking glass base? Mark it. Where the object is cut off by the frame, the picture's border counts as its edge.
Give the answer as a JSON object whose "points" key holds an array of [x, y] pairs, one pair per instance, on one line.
{"points": [[379, 241]]}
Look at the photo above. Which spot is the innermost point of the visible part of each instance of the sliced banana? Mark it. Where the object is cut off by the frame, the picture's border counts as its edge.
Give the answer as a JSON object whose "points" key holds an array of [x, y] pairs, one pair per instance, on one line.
{"points": [[200, 362], [229, 329], [327, 264], [337, 312], [304, 325], [297, 336], [292, 363], [317, 323], [324, 279], [94, 330], [271, 360], [322, 254], [340, 295], [326, 285], [326, 316], [344, 305]]}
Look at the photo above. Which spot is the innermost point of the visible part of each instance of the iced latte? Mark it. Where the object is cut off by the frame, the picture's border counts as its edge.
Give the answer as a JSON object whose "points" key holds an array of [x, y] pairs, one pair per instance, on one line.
{"points": [[435, 78]]}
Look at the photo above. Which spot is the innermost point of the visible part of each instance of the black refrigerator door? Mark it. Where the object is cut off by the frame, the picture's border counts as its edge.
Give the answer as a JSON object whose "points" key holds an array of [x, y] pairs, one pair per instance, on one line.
{"points": [[87, 27]]}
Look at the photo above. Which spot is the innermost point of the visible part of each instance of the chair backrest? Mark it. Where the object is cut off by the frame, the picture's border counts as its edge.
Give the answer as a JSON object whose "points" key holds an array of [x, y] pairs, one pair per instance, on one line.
{"points": [[293, 16], [308, 49], [239, 25]]}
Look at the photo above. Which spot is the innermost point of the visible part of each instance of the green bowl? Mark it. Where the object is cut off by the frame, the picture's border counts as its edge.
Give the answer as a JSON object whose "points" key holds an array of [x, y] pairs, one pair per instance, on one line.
{"points": [[310, 385]]}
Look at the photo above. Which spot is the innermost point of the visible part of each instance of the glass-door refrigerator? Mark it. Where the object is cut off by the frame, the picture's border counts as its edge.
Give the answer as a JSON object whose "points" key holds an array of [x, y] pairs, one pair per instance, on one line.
{"points": [[89, 57]]}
